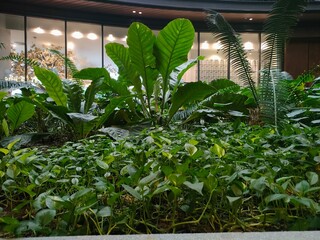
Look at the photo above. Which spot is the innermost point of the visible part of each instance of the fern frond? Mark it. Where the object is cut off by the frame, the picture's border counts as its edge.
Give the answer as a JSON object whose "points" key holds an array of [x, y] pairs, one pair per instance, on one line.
{"points": [[232, 45]]}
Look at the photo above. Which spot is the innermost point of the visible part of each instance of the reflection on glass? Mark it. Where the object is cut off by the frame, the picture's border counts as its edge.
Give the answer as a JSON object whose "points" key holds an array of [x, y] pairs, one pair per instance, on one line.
{"points": [[43, 36], [84, 44], [113, 35], [251, 45], [215, 64], [12, 42]]}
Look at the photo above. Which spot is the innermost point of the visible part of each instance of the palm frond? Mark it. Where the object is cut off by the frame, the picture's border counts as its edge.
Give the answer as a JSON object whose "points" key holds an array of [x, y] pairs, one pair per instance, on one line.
{"points": [[277, 28], [17, 58], [273, 93], [232, 45], [69, 63]]}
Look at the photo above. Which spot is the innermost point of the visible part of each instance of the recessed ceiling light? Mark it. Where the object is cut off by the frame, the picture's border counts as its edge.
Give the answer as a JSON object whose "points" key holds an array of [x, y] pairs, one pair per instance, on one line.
{"points": [[77, 35], [250, 19], [140, 13], [92, 36], [56, 32], [38, 30], [134, 11], [248, 46], [205, 45]]}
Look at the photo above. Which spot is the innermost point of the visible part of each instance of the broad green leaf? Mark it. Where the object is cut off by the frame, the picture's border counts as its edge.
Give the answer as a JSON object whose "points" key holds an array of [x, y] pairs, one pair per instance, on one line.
{"points": [[233, 200], [188, 93], [275, 197], [80, 194], [114, 103], [74, 92], [191, 149], [302, 187], [45, 216], [120, 56], [104, 212], [52, 84], [5, 151], [225, 85], [219, 151], [97, 75], [133, 192], [19, 113], [102, 164], [198, 186], [5, 127], [258, 184], [2, 95], [172, 46], [152, 176], [141, 41], [313, 177]]}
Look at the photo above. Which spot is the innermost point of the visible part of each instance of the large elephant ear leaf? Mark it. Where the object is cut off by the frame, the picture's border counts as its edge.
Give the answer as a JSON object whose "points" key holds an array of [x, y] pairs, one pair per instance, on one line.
{"points": [[141, 43], [19, 113], [52, 84], [119, 54], [172, 47]]}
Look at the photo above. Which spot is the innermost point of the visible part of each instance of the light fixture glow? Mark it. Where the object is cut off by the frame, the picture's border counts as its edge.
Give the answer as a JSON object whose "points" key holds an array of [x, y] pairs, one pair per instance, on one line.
{"points": [[250, 19], [248, 46], [77, 35], [92, 36], [205, 45], [56, 32], [38, 30], [217, 45], [140, 13], [124, 39], [134, 11], [70, 45], [215, 58], [111, 38], [14, 45]]}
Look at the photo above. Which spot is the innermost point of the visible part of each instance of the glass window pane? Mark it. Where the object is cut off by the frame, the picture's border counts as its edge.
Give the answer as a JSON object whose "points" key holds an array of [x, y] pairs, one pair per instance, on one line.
{"points": [[12, 39], [215, 64], [43, 37], [84, 44], [116, 35]]}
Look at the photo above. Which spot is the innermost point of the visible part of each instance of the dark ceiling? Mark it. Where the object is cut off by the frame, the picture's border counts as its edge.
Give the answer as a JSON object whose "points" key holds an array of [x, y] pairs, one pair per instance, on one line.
{"points": [[248, 14]]}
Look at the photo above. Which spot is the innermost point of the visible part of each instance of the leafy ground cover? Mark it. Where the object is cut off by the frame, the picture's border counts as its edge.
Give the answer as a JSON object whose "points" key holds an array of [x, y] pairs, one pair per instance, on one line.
{"points": [[211, 178]]}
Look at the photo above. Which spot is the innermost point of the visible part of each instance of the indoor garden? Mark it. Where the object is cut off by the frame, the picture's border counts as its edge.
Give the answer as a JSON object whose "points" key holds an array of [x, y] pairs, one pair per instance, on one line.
{"points": [[149, 153]]}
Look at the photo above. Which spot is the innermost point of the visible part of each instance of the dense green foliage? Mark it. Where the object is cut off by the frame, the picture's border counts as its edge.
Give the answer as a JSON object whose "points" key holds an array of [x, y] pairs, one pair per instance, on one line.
{"points": [[221, 177]]}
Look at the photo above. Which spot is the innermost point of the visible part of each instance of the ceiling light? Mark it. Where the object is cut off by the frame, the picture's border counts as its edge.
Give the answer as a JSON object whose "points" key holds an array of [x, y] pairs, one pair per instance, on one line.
{"points": [[248, 46], [217, 45], [250, 19], [140, 13], [56, 32], [38, 30], [215, 58], [77, 35], [70, 45], [92, 36], [134, 11], [13, 45], [110, 38], [205, 45]]}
